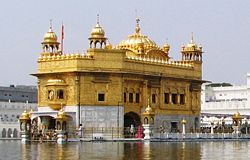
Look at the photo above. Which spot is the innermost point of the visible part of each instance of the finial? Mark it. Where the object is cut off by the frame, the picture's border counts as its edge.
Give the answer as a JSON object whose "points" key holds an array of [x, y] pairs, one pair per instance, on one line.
{"points": [[50, 25], [137, 29], [137, 21], [97, 18], [192, 37]]}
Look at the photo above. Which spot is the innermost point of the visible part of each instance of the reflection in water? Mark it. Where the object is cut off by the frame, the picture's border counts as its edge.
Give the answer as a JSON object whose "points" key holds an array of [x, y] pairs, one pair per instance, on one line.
{"points": [[125, 151]]}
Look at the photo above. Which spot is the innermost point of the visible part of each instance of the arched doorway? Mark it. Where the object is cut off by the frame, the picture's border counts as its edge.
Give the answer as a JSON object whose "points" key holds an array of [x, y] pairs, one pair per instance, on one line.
{"points": [[9, 133], [196, 124], [15, 132], [131, 118], [4, 133], [47, 122], [131, 122]]}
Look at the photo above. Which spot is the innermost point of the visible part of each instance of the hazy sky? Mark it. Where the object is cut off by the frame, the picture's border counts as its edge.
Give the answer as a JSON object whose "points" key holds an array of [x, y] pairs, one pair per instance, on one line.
{"points": [[222, 27]]}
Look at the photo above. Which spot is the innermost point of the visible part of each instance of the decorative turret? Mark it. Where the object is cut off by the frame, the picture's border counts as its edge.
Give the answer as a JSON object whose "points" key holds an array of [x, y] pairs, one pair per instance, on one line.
{"points": [[25, 126], [192, 52], [149, 115], [148, 121], [50, 44], [61, 126], [108, 45], [97, 36], [237, 119], [166, 47]]}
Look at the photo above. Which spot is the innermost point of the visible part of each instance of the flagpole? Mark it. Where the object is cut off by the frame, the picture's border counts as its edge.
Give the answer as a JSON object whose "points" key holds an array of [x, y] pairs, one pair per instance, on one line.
{"points": [[62, 37]]}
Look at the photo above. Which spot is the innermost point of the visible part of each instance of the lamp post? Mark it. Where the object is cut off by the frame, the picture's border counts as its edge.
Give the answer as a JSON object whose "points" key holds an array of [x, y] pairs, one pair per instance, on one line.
{"points": [[223, 125], [118, 118]]}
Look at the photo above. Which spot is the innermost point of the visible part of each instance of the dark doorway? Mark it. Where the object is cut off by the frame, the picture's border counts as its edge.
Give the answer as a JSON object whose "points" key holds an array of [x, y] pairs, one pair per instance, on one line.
{"points": [[131, 118], [4, 133], [196, 124], [15, 132], [174, 127], [131, 122], [52, 123], [9, 133]]}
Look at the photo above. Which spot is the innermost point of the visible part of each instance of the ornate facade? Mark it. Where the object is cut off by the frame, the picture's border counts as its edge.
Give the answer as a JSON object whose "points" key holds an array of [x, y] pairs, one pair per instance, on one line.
{"points": [[110, 86]]}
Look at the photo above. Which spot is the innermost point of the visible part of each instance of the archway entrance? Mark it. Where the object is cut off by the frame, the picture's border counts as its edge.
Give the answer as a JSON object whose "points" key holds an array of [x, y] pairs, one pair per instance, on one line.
{"points": [[131, 122], [4, 133], [48, 122], [131, 118]]}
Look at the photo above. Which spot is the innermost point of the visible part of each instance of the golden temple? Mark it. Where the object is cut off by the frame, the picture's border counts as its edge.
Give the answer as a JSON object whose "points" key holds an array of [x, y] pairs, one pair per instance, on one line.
{"points": [[110, 86]]}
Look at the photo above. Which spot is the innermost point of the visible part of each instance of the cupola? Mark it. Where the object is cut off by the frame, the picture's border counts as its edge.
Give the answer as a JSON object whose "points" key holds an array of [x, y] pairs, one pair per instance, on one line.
{"points": [[49, 43], [97, 36], [191, 51]]}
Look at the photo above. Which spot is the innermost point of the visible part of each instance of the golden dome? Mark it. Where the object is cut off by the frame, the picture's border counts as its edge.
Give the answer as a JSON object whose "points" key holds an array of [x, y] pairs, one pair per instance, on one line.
{"points": [[61, 115], [137, 41], [192, 46], [50, 36], [97, 31], [183, 121], [25, 116], [166, 47], [237, 116], [108, 45], [148, 110]]}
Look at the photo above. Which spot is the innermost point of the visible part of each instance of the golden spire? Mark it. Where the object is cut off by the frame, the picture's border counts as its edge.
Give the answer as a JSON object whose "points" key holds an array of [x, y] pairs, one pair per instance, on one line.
{"points": [[148, 110], [50, 25], [192, 37], [98, 19], [50, 36], [97, 31], [137, 28]]}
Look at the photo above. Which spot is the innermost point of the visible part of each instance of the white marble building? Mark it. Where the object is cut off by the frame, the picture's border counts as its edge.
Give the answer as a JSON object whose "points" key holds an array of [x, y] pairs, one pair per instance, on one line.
{"points": [[13, 101], [225, 99], [219, 101]]}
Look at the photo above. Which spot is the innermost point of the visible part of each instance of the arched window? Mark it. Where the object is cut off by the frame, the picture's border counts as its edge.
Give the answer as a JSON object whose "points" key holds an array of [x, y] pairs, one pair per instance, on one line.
{"points": [[60, 94], [15, 133], [50, 94], [64, 126], [152, 120], [58, 126], [9, 132], [146, 120], [4, 133]]}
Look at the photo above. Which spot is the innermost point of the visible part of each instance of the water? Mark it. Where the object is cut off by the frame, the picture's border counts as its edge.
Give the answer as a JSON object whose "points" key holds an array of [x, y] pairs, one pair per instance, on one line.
{"points": [[14, 150]]}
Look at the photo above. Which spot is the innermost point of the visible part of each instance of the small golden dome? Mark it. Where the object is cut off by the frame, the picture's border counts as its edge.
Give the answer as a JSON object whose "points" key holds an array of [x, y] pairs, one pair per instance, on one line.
{"points": [[50, 36], [237, 116], [61, 115], [183, 121], [97, 31], [148, 110], [166, 47], [108, 45], [25, 116], [192, 46]]}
